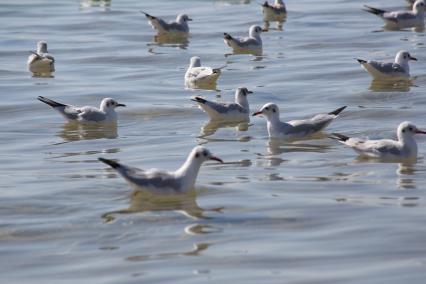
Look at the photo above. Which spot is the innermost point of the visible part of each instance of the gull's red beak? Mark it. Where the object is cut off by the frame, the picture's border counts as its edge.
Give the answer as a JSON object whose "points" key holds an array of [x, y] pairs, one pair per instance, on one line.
{"points": [[256, 113], [216, 159], [418, 131]]}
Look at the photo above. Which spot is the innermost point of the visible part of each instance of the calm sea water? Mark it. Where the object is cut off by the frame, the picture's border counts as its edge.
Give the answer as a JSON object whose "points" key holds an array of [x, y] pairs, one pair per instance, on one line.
{"points": [[306, 212]]}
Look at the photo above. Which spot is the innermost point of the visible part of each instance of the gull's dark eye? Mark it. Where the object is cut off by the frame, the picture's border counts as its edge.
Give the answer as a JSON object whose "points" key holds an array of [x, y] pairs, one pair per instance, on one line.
{"points": [[266, 108], [411, 129], [403, 130]]}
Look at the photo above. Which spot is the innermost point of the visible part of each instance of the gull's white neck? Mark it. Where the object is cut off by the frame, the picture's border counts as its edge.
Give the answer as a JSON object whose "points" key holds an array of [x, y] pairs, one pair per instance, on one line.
{"points": [[41, 49], [418, 12], [109, 112], [255, 35], [242, 101], [404, 63], [408, 143], [189, 171]]}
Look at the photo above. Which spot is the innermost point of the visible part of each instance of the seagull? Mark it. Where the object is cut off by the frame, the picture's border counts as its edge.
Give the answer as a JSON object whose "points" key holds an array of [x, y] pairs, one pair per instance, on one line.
{"points": [[180, 26], [252, 43], [41, 62], [295, 129], [198, 75], [105, 114], [163, 182], [401, 19], [403, 148], [397, 70], [237, 111], [274, 12]]}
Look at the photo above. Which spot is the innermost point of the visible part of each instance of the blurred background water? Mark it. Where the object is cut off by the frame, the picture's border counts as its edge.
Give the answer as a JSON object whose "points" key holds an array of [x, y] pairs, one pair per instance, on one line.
{"points": [[304, 212]]}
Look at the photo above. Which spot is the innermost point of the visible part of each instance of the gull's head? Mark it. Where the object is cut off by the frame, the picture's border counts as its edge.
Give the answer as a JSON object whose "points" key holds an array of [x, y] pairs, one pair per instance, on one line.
{"points": [[242, 93], [201, 154], [419, 5], [404, 56], [255, 31], [195, 61], [110, 104], [41, 47], [183, 18], [406, 129], [269, 110], [279, 2]]}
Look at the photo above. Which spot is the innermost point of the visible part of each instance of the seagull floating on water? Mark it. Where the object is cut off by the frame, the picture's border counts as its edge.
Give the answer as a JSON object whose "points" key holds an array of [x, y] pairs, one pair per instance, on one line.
{"points": [[198, 75], [163, 182], [179, 26], [237, 111], [388, 70], [252, 43], [274, 12], [401, 19], [86, 114], [403, 148], [295, 129], [41, 62]]}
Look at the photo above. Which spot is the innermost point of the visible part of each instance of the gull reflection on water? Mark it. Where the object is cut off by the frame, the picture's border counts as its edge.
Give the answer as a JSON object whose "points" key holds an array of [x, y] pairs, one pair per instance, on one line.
{"points": [[85, 4], [142, 201], [72, 131], [171, 40], [391, 85], [211, 127]]}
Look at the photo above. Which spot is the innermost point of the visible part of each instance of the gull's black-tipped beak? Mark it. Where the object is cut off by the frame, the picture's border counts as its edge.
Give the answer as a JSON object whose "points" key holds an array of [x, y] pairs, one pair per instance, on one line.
{"points": [[216, 159], [189, 19], [413, 58], [256, 113], [418, 131], [249, 92], [121, 105], [265, 30]]}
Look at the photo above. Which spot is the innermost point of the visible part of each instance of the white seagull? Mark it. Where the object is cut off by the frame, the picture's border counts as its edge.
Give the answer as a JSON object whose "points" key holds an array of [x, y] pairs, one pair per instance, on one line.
{"points": [[237, 111], [403, 148], [388, 70], [295, 129], [401, 19], [274, 12], [86, 114], [197, 75], [164, 182], [252, 43], [41, 62], [180, 26]]}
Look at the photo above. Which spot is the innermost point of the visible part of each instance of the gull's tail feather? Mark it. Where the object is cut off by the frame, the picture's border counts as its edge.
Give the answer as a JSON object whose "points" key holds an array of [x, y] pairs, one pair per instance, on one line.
{"points": [[337, 111], [339, 137], [110, 163], [50, 102], [148, 15], [361, 61], [198, 100], [373, 10], [227, 36]]}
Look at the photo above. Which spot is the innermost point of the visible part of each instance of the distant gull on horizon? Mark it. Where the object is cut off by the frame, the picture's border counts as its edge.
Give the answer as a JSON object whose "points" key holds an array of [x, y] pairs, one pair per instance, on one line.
{"points": [[179, 26], [40, 61], [295, 129], [399, 69], [86, 114], [405, 147], [160, 182], [237, 111]]}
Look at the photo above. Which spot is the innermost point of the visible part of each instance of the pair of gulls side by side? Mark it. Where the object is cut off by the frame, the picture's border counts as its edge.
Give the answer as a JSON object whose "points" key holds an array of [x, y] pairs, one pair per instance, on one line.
{"points": [[274, 12], [399, 69], [401, 19], [40, 61]]}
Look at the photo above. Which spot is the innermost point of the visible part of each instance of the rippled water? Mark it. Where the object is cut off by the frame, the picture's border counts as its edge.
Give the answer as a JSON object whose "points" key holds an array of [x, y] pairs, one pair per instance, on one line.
{"points": [[304, 212]]}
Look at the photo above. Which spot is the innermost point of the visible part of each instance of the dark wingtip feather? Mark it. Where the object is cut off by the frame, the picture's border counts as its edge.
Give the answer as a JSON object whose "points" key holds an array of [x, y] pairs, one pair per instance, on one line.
{"points": [[361, 61], [147, 15], [198, 100], [110, 163], [373, 10], [337, 111], [50, 102], [227, 36], [339, 137]]}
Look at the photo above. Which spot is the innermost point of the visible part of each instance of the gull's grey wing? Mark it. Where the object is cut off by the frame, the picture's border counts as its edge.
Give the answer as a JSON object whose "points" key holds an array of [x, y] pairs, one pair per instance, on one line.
{"points": [[246, 42], [312, 125], [91, 114], [173, 26], [225, 108], [389, 148], [399, 16], [387, 68]]}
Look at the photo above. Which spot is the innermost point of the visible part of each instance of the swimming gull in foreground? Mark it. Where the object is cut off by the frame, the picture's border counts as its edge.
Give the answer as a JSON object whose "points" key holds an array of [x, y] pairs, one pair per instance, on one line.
{"points": [[163, 182], [403, 148], [295, 129], [179, 26], [252, 43], [200, 75], [274, 12], [401, 19], [86, 114], [388, 70], [41, 62], [237, 111]]}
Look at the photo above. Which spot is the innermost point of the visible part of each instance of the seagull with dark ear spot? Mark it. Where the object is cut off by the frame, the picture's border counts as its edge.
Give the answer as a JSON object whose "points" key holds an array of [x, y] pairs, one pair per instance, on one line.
{"points": [[238, 111], [86, 114], [161, 182], [179, 26], [295, 129], [41, 62], [250, 44], [199, 76]]}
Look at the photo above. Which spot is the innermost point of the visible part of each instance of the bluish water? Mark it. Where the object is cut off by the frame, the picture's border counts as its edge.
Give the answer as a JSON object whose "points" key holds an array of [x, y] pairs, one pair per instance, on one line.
{"points": [[305, 212]]}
